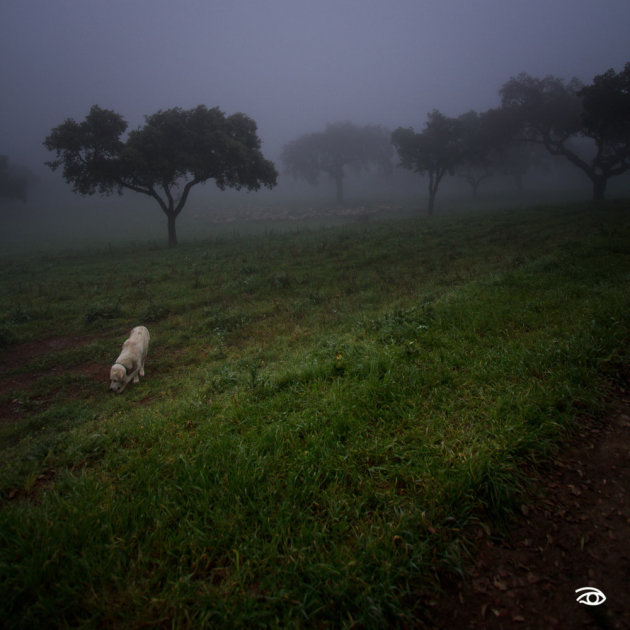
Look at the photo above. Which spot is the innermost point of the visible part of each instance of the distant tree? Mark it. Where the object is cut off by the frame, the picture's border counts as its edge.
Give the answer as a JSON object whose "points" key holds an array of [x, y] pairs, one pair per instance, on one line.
{"points": [[14, 180], [435, 152], [480, 146], [490, 145], [516, 159], [556, 114], [340, 146], [174, 150]]}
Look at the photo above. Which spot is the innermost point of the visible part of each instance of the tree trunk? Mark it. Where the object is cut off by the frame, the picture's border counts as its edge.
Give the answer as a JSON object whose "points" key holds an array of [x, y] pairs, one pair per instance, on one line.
{"points": [[599, 188], [434, 182], [172, 233], [599, 180]]}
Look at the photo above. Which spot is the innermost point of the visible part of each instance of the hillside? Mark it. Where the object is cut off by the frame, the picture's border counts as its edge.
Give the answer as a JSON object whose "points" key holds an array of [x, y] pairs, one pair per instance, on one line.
{"points": [[327, 419]]}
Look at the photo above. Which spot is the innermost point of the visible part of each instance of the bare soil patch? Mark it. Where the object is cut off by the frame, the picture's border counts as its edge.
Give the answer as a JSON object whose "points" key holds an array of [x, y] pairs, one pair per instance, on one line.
{"points": [[573, 532], [23, 353], [18, 357]]}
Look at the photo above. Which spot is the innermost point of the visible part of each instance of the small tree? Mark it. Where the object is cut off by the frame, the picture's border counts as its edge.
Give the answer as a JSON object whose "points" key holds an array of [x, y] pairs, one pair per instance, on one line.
{"points": [[175, 150], [331, 151], [555, 113], [435, 152]]}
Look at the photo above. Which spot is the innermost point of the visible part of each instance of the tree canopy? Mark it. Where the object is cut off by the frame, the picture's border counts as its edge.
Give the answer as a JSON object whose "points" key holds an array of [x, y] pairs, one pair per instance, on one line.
{"points": [[556, 114], [341, 145], [434, 152], [174, 150]]}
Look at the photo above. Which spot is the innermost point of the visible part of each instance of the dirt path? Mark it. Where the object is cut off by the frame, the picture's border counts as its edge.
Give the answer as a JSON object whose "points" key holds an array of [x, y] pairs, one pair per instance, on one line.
{"points": [[574, 532], [15, 360]]}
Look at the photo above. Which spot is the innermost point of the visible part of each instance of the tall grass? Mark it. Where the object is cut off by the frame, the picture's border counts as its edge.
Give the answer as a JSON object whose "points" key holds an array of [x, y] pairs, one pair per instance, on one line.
{"points": [[325, 415]]}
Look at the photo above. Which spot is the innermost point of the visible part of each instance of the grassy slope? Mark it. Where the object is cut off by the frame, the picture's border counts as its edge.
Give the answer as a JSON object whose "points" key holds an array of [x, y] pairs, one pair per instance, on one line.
{"points": [[324, 416]]}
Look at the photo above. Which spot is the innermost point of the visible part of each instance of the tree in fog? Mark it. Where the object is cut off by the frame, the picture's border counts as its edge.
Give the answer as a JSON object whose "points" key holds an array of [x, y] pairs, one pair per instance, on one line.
{"points": [[606, 119], [14, 180], [480, 147], [341, 146], [434, 152], [516, 159], [489, 147], [174, 150], [557, 114]]}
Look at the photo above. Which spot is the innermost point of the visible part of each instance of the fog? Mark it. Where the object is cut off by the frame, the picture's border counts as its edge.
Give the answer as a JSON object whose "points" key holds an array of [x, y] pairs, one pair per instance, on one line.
{"points": [[291, 65]]}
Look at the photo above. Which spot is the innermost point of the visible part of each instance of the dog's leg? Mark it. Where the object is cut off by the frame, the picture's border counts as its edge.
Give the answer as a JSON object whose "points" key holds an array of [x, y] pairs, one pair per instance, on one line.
{"points": [[133, 376]]}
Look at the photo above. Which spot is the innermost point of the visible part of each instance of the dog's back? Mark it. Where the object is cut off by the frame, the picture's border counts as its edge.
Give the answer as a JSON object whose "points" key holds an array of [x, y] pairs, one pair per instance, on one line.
{"points": [[139, 337], [134, 350]]}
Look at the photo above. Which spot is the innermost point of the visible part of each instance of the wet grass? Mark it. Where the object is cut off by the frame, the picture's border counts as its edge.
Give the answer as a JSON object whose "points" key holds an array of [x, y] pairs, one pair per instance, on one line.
{"points": [[325, 417]]}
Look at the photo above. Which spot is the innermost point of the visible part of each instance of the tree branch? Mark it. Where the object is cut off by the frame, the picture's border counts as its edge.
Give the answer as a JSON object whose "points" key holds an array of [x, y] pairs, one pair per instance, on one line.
{"points": [[149, 191], [185, 192]]}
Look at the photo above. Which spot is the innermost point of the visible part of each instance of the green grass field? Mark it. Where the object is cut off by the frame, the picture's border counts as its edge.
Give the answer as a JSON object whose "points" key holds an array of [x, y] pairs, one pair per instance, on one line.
{"points": [[326, 418]]}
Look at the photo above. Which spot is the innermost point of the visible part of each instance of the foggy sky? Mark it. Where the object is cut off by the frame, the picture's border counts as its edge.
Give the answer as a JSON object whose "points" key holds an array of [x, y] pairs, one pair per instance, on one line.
{"points": [[292, 65]]}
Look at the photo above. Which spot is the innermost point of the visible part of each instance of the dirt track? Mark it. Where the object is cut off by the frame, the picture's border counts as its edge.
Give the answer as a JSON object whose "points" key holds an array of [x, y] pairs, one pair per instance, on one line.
{"points": [[573, 532]]}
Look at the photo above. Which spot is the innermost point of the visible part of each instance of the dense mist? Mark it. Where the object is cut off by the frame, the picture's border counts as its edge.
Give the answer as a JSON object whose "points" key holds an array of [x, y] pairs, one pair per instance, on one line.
{"points": [[293, 67]]}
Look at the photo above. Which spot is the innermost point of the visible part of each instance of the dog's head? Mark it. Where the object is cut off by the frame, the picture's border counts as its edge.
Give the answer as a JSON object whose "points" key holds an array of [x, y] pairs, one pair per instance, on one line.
{"points": [[118, 378]]}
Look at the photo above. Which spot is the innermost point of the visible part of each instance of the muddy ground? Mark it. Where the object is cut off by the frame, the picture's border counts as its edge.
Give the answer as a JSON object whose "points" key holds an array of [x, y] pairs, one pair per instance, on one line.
{"points": [[573, 531]]}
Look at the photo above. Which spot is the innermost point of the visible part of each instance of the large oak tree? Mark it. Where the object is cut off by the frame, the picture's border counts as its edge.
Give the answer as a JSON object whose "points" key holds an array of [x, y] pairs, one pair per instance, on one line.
{"points": [[174, 150], [558, 114]]}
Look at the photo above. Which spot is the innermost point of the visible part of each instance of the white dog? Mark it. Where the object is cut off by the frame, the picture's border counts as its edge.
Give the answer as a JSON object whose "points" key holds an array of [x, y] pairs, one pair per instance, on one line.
{"points": [[130, 363]]}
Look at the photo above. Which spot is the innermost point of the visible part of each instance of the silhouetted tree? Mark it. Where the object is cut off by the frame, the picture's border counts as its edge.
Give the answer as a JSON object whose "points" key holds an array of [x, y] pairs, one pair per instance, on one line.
{"points": [[435, 152], [556, 113], [606, 119], [340, 146], [174, 150]]}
